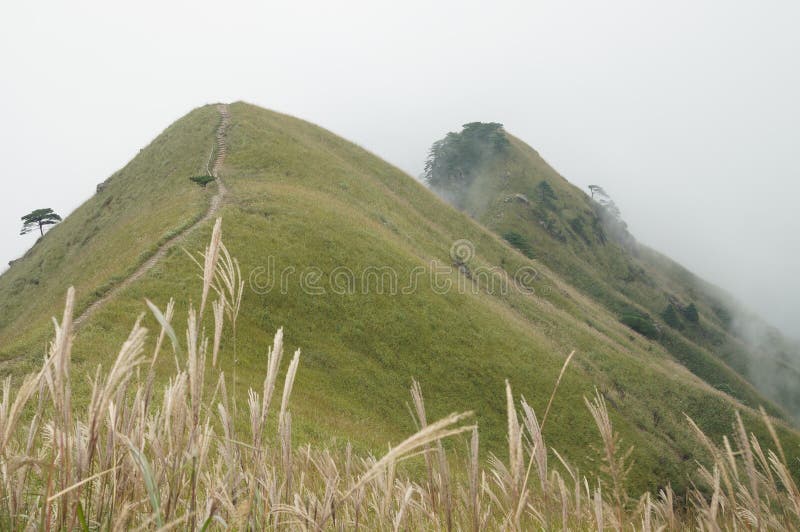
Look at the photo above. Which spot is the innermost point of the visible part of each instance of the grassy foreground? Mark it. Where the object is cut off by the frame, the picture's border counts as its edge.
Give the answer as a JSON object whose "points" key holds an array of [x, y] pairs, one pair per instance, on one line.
{"points": [[187, 456]]}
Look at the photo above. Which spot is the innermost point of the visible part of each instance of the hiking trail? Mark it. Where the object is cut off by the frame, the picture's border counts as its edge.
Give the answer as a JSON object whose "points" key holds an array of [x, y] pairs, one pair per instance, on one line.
{"points": [[218, 153]]}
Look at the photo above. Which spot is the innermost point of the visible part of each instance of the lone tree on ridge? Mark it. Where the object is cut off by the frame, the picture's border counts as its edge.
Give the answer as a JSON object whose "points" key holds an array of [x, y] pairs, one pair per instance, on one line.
{"points": [[39, 218]]}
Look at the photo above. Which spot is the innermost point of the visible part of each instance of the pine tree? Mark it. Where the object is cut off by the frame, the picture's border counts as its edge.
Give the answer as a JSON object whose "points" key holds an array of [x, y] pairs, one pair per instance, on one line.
{"points": [[38, 218]]}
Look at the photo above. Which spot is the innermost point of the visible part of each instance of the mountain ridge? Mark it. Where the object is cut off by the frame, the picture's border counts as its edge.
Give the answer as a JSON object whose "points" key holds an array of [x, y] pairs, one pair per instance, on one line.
{"points": [[514, 192], [309, 200], [218, 156]]}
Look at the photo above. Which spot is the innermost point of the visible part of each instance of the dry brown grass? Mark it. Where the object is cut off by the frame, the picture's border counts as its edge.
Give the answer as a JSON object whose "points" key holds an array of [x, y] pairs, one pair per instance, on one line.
{"points": [[131, 460]]}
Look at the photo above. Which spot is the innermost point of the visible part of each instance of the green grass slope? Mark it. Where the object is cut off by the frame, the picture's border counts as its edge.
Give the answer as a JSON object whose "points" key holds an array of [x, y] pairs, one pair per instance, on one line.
{"points": [[98, 245], [509, 188], [306, 207]]}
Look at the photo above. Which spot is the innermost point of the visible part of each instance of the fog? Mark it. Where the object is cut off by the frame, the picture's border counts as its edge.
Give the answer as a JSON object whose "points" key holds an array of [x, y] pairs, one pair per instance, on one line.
{"points": [[687, 113]]}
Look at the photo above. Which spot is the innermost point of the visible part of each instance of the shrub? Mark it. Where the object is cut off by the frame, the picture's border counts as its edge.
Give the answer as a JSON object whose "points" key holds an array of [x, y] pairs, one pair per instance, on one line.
{"points": [[579, 227], [546, 194], [202, 180], [690, 313], [641, 323], [671, 317], [518, 241]]}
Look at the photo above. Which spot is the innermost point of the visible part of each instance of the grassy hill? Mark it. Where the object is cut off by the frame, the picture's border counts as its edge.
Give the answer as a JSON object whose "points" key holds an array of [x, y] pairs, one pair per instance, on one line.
{"points": [[335, 228], [508, 187]]}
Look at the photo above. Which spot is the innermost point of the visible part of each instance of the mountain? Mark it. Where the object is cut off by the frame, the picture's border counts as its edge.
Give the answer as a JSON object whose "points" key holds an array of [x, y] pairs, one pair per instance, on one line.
{"points": [[507, 186], [379, 281]]}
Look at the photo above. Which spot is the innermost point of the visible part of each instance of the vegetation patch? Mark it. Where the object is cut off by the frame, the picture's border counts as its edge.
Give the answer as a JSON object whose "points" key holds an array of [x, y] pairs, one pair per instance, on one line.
{"points": [[202, 180], [454, 161], [641, 323], [690, 313], [519, 242], [671, 317], [546, 195]]}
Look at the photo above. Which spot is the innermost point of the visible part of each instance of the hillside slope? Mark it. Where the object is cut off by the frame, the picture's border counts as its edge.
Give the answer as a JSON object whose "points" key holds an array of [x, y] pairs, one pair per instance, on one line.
{"points": [[338, 247], [137, 209], [508, 187]]}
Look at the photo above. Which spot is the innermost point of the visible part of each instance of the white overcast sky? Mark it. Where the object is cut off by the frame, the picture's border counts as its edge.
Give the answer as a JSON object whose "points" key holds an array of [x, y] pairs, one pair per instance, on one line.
{"points": [[687, 112]]}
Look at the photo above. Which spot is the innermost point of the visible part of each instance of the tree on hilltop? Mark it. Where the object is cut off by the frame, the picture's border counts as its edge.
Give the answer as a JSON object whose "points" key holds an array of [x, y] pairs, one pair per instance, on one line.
{"points": [[454, 161]]}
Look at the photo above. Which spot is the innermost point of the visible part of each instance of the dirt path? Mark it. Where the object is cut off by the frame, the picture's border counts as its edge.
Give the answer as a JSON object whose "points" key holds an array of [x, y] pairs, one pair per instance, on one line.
{"points": [[218, 154]]}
